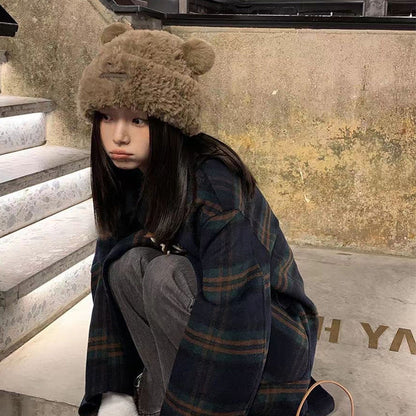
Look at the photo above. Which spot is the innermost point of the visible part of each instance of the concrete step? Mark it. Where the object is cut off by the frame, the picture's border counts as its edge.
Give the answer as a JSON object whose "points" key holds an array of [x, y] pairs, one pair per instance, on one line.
{"points": [[35, 254], [11, 105], [26, 317], [25, 207], [20, 404], [23, 122], [349, 289], [22, 132], [46, 375], [19, 170]]}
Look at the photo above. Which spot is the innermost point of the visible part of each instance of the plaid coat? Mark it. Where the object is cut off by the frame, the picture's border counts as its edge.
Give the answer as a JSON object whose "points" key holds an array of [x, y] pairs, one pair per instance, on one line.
{"points": [[249, 345]]}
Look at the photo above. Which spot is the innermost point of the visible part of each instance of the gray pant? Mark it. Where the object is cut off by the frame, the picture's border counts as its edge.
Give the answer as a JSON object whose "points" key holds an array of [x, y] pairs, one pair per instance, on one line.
{"points": [[155, 293]]}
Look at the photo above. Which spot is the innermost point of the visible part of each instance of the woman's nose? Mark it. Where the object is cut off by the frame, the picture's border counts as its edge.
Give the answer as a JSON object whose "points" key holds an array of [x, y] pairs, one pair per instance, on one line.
{"points": [[121, 139], [120, 134]]}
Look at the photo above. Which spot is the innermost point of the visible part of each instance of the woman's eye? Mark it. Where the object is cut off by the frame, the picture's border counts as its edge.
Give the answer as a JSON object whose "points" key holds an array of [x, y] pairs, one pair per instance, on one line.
{"points": [[141, 120]]}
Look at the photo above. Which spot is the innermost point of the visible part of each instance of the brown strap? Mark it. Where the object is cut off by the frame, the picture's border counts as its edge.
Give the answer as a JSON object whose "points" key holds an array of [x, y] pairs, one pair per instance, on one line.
{"points": [[321, 382]]}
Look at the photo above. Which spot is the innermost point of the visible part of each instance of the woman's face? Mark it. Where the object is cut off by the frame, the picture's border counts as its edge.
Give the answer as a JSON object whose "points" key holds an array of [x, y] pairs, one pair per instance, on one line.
{"points": [[127, 131]]}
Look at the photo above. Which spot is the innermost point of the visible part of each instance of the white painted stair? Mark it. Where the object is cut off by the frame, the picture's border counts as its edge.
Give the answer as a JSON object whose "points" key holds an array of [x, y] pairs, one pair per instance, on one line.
{"points": [[30, 130], [47, 242], [21, 208], [47, 230]]}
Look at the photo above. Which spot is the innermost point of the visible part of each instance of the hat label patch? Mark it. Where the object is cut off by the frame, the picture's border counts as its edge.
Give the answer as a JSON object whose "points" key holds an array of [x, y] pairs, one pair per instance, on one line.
{"points": [[117, 75]]}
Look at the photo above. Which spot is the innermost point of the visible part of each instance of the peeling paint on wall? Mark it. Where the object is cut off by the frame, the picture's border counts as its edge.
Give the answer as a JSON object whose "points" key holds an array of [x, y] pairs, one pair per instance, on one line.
{"points": [[355, 189], [326, 121]]}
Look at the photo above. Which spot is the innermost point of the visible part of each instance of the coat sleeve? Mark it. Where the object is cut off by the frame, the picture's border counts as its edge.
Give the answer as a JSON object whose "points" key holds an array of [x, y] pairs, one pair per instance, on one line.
{"points": [[112, 362], [221, 356]]}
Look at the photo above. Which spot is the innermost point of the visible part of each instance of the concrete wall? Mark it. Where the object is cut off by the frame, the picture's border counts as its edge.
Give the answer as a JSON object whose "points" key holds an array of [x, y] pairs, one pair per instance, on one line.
{"points": [[325, 119]]}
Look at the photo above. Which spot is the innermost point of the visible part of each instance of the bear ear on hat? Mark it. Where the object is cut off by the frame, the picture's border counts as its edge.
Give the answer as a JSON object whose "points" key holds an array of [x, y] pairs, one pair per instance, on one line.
{"points": [[114, 30], [199, 55]]}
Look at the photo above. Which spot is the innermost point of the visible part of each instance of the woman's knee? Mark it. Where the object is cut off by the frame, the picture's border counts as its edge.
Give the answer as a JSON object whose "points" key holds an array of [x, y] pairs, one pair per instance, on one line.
{"points": [[130, 267], [169, 279]]}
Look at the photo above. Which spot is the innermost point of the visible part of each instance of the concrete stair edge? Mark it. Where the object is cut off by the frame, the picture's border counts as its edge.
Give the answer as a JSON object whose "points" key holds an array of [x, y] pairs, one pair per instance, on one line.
{"points": [[11, 105], [22, 147], [16, 345], [23, 208], [65, 160], [22, 132], [25, 318], [70, 253]]}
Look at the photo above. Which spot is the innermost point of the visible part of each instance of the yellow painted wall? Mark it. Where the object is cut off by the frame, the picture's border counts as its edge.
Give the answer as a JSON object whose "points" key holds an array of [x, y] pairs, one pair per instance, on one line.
{"points": [[325, 119]]}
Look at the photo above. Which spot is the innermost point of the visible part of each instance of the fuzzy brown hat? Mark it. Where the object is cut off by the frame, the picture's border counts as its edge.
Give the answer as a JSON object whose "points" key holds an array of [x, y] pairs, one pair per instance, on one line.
{"points": [[149, 70]]}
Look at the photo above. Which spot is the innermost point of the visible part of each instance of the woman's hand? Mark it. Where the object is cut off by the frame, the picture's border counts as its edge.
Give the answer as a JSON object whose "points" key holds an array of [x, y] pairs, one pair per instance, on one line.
{"points": [[117, 404]]}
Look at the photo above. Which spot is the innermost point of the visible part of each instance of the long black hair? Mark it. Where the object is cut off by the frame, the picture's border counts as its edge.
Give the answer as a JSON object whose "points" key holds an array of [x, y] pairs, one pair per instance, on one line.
{"points": [[167, 183]]}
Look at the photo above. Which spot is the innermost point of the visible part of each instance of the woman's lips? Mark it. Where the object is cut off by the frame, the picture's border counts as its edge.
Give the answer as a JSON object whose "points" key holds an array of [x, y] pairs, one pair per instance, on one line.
{"points": [[120, 156]]}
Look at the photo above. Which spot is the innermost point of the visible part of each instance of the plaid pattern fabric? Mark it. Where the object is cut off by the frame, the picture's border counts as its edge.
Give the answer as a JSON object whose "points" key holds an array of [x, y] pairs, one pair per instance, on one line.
{"points": [[249, 344]]}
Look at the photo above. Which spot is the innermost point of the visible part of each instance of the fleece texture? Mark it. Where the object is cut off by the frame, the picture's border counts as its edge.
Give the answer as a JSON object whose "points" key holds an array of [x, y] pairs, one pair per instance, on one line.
{"points": [[148, 70]]}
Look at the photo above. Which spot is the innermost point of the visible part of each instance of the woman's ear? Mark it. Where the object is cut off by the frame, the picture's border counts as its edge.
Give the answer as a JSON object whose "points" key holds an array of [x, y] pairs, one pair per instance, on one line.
{"points": [[199, 55], [114, 30]]}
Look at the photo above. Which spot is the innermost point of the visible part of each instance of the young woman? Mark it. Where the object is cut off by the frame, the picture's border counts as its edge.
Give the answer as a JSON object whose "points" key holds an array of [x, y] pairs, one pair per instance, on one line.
{"points": [[199, 307]]}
